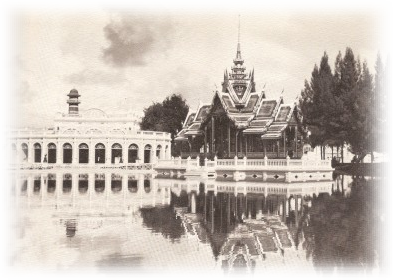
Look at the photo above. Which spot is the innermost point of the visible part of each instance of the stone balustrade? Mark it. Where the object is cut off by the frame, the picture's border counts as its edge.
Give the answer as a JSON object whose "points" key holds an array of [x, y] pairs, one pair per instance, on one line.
{"points": [[248, 164]]}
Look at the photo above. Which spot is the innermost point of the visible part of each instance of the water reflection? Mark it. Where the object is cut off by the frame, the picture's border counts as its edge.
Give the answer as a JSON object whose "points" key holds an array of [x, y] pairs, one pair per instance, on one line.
{"points": [[135, 220]]}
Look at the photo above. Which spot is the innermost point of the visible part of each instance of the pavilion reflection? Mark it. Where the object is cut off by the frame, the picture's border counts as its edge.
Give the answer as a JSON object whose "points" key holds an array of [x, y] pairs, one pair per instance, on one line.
{"points": [[244, 222]]}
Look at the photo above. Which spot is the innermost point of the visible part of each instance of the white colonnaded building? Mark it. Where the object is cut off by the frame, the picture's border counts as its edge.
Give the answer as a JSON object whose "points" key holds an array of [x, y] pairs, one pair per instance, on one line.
{"points": [[89, 138]]}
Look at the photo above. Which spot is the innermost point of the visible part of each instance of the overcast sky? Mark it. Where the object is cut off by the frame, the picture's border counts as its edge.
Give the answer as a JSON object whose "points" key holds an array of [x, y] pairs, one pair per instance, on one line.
{"points": [[121, 61]]}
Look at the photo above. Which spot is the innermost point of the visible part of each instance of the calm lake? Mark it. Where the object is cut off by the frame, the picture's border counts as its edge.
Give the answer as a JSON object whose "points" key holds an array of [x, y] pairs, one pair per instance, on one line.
{"points": [[100, 220]]}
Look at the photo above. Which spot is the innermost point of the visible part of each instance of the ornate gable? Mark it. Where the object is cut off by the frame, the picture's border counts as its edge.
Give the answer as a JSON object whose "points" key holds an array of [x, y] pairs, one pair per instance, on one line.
{"points": [[238, 83]]}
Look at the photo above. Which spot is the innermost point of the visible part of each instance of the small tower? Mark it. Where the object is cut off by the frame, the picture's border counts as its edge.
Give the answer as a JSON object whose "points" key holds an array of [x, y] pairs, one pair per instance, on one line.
{"points": [[73, 102]]}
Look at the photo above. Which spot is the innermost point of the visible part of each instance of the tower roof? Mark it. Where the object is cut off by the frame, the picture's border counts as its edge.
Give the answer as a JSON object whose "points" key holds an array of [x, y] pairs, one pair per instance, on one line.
{"points": [[73, 93]]}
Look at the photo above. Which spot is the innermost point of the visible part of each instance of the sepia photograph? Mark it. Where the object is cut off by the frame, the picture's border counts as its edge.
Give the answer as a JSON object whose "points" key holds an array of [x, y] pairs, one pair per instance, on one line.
{"points": [[228, 139]]}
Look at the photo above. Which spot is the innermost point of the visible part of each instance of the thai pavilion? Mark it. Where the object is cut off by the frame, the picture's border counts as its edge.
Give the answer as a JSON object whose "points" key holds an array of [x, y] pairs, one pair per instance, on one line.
{"points": [[240, 121]]}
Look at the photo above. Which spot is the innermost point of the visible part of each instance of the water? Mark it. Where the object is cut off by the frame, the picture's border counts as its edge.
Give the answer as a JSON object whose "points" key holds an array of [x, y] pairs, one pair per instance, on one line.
{"points": [[119, 220]]}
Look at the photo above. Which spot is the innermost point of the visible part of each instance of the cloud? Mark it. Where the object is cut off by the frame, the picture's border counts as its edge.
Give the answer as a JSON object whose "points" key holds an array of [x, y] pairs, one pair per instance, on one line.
{"points": [[88, 77], [134, 39]]}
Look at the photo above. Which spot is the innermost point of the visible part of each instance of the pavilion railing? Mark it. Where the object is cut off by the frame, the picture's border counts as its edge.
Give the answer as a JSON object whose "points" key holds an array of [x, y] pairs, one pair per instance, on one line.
{"points": [[244, 163]]}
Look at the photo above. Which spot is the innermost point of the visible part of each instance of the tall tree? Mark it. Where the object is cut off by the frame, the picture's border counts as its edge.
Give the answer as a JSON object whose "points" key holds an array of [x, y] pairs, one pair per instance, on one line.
{"points": [[166, 116], [360, 138], [317, 103], [388, 100], [346, 82]]}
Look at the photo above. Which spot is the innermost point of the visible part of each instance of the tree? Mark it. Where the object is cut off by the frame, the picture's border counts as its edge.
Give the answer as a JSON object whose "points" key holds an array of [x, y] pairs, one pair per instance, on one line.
{"points": [[317, 103], [338, 108], [166, 116], [387, 79], [362, 130]]}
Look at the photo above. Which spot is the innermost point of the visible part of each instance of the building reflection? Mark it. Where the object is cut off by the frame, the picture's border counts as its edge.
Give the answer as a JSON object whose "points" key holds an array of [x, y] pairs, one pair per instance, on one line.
{"points": [[90, 191], [243, 221], [246, 225]]}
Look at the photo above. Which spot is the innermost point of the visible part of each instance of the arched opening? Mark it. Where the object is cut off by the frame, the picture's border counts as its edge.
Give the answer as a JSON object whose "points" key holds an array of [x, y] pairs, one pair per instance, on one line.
{"points": [[116, 153], [23, 188], [37, 152], [132, 153], [37, 184], [25, 150], [100, 153], [99, 183], [83, 183], [116, 183], [67, 183], [51, 153], [67, 153], [147, 154], [132, 184], [146, 185], [158, 152], [83, 153], [51, 183]]}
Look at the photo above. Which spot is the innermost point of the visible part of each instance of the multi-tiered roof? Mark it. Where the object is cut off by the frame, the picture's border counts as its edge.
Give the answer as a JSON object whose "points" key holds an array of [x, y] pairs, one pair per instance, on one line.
{"points": [[249, 111]]}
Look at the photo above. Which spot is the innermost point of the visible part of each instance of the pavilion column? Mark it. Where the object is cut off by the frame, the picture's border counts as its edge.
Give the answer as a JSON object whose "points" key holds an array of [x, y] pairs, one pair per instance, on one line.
{"points": [[205, 143], [285, 144], [301, 143], [236, 133], [212, 213], [264, 148], [190, 145], [296, 210], [246, 140], [241, 142], [278, 148], [296, 141], [229, 139], [212, 137]]}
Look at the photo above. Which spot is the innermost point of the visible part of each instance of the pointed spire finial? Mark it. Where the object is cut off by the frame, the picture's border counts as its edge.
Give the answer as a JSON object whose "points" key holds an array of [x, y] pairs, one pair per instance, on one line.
{"points": [[238, 31], [238, 53]]}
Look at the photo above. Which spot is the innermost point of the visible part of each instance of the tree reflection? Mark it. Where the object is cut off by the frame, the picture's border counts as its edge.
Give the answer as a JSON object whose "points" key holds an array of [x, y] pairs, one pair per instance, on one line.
{"points": [[342, 232], [163, 220]]}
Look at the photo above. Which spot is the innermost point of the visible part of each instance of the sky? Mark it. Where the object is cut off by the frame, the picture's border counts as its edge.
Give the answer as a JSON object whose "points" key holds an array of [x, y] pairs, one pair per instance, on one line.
{"points": [[124, 60]]}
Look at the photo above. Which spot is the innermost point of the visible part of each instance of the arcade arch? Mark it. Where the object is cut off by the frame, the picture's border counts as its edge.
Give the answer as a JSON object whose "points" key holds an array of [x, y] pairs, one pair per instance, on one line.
{"points": [[147, 154], [83, 153], [52, 153], [100, 153], [117, 152], [37, 152], [133, 153], [67, 153]]}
